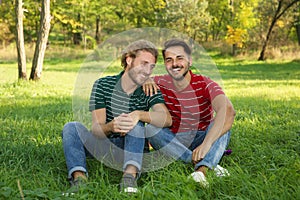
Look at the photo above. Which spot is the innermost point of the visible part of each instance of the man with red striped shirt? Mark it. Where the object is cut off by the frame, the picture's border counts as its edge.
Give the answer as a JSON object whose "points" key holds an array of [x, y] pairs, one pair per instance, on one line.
{"points": [[201, 113]]}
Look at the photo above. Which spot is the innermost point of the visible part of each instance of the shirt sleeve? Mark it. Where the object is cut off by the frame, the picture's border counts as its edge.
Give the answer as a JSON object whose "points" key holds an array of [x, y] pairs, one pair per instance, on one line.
{"points": [[156, 79], [97, 98], [156, 98], [212, 89]]}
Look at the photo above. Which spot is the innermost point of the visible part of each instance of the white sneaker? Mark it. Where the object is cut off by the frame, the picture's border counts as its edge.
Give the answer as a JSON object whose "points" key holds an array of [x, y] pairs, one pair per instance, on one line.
{"points": [[199, 178], [220, 171]]}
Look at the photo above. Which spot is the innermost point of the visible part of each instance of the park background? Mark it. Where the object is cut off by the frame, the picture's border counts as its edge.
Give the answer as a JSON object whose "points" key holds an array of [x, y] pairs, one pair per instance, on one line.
{"points": [[255, 45]]}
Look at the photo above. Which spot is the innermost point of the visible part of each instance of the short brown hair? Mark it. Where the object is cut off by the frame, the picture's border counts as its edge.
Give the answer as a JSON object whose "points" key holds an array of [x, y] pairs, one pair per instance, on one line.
{"points": [[133, 49], [177, 42]]}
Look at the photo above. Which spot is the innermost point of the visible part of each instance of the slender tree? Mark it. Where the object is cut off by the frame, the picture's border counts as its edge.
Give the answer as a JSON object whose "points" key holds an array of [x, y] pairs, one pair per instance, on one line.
{"points": [[280, 10], [298, 32], [41, 43], [97, 35], [20, 40], [297, 23]]}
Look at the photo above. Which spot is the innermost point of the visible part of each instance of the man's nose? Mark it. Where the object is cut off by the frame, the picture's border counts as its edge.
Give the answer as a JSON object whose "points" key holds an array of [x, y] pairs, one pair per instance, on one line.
{"points": [[174, 62], [148, 70]]}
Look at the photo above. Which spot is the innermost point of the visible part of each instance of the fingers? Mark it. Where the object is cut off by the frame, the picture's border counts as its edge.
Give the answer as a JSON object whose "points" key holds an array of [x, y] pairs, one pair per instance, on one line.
{"points": [[194, 157], [197, 156], [123, 124], [122, 134], [156, 89], [200, 152], [145, 90], [150, 88]]}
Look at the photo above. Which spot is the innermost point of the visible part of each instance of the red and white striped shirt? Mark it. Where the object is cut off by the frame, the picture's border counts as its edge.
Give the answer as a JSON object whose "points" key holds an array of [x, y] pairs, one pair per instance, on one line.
{"points": [[191, 108]]}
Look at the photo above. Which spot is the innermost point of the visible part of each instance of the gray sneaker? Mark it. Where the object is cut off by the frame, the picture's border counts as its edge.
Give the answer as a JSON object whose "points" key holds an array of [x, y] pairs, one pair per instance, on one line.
{"points": [[76, 184], [128, 184]]}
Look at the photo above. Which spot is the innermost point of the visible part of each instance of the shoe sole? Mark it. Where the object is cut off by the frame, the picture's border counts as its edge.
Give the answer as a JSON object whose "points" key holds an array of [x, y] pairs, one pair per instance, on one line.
{"points": [[130, 190]]}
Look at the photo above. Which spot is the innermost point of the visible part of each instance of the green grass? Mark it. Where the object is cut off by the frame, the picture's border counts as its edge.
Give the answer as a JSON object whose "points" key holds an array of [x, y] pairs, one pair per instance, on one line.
{"points": [[265, 162]]}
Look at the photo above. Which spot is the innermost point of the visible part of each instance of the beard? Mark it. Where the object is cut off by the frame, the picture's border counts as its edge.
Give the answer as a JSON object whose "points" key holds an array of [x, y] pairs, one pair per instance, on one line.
{"points": [[133, 75], [178, 78]]}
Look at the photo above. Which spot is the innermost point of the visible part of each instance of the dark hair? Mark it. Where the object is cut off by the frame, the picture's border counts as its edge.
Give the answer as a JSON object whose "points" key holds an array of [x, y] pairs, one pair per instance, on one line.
{"points": [[177, 42], [134, 48]]}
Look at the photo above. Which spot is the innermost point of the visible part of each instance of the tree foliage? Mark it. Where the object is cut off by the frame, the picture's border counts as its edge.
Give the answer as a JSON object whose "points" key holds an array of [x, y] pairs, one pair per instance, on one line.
{"points": [[236, 36], [221, 17], [190, 17], [278, 9], [88, 22], [7, 22]]}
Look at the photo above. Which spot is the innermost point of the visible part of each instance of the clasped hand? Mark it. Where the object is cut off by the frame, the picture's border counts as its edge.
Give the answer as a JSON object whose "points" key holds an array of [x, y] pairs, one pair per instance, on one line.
{"points": [[125, 122], [200, 152]]}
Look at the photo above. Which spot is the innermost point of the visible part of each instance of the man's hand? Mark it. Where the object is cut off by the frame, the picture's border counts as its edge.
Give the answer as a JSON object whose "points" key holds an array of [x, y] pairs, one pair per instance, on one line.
{"points": [[125, 122], [149, 87], [200, 152]]}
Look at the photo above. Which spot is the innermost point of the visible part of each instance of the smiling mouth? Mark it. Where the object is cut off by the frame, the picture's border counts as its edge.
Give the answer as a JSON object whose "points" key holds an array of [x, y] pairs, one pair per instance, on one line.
{"points": [[177, 69], [144, 77]]}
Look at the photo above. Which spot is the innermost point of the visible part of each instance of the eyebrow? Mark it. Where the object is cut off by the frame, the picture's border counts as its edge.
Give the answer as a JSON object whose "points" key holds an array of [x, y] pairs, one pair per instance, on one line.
{"points": [[176, 56]]}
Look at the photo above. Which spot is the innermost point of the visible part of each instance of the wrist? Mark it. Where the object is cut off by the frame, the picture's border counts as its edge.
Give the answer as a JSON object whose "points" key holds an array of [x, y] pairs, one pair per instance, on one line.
{"points": [[138, 114], [110, 127]]}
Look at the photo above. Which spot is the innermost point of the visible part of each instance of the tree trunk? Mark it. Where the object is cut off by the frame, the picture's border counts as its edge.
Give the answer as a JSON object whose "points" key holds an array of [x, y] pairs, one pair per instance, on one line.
{"points": [[97, 36], [277, 15], [262, 53], [41, 43], [298, 33], [265, 43], [234, 49], [20, 41], [77, 37]]}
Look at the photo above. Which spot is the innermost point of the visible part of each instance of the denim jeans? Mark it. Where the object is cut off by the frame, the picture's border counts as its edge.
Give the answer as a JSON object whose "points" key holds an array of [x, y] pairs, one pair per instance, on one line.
{"points": [[116, 152], [180, 146]]}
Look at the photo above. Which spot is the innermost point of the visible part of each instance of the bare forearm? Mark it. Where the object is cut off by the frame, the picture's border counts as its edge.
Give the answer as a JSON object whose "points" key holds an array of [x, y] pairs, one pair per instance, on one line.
{"points": [[222, 124], [229, 119], [156, 118], [102, 130]]}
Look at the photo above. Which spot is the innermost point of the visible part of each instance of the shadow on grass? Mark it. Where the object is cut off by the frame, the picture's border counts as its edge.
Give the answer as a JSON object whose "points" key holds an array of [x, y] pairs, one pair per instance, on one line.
{"points": [[272, 125], [63, 65], [261, 71], [263, 141], [8, 62], [31, 148]]}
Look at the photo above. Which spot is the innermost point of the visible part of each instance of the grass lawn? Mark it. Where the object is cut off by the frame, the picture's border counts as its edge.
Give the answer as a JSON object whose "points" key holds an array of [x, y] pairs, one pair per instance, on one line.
{"points": [[265, 162]]}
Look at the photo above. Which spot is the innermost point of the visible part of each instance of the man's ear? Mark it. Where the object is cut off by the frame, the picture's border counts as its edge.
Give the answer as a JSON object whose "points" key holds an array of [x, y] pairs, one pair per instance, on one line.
{"points": [[128, 60]]}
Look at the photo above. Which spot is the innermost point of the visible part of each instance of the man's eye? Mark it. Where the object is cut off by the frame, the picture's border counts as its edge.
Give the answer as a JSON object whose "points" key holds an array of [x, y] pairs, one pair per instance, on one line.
{"points": [[153, 66]]}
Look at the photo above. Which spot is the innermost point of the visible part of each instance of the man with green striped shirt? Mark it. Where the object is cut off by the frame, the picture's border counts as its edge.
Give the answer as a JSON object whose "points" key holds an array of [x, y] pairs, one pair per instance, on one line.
{"points": [[119, 110]]}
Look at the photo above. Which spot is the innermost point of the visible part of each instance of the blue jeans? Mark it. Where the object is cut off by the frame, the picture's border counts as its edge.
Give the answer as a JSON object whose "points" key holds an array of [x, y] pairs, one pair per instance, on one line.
{"points": [[180, 146], [116, 152]]}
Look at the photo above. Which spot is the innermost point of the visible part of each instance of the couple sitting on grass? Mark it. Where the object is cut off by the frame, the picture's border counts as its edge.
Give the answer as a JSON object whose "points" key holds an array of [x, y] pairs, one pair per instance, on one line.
{"points": [[188, 118]]}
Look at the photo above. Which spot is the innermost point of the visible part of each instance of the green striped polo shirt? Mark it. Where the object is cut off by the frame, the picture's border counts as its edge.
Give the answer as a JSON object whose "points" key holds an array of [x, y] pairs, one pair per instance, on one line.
{"points": [[108, 93]]}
